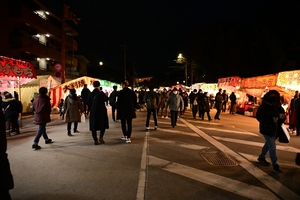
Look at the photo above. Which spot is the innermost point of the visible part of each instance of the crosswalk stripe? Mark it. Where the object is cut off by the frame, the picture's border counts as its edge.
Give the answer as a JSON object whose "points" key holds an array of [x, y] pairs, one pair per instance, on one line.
{"points": [[269, 181], [258, 144], [180, 144], [178, 132], [204, 122], [228, 131], [169, 123], [253, 158], [224, 183]]}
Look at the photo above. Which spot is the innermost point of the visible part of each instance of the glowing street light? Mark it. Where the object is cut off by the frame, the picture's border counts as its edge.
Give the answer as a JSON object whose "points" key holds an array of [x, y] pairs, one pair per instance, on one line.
{"points": [[182, 60], [100, 63]]}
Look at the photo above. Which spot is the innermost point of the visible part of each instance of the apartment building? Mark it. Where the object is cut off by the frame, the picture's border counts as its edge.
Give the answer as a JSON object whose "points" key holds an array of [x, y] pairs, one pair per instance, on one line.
{"points": [[33, 33]]}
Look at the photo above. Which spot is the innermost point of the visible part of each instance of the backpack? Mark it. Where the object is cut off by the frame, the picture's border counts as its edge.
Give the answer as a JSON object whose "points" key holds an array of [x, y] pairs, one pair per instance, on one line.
{"points": [[151, 101]]}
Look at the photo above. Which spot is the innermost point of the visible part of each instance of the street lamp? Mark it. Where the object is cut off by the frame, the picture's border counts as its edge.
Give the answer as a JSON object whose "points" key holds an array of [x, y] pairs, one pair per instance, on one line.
{"points": [[100, 63], [182, 60]]}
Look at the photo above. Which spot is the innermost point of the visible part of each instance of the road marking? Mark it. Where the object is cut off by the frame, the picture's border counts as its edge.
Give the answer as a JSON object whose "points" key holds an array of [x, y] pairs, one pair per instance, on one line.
{"points": [[204, 122], [142, 184], [253, 158], [258, 144], [169, 123], [270, 182], [181, 144], [228, 131], [177, 132], [224, 183]]}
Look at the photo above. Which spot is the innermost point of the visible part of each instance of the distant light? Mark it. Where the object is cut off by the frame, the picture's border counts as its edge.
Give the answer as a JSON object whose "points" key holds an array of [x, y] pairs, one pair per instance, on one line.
{"points": [[47, 35], [38, 59], [100, 63], [38, 35], [180, 56], [47, 58], [47, 13]]}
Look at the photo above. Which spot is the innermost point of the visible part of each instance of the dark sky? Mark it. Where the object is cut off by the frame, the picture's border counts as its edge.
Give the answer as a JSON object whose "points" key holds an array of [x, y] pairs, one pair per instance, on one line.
{"points": [[155, 32]]}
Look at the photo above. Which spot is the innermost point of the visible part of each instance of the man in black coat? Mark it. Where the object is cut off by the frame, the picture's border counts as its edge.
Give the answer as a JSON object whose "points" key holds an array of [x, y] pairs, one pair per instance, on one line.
{"points": [[98, 113], [113, 102], [127, 103], [6, 178], [85, 98]]}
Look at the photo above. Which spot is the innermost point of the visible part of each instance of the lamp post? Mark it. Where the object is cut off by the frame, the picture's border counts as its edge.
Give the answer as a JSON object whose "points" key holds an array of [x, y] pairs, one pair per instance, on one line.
{"points": [[182, 60]]}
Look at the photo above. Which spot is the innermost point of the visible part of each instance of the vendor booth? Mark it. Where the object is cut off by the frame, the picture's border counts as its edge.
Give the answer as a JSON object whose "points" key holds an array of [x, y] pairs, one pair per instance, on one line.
{"points": [[30, 90], [61, 91]]}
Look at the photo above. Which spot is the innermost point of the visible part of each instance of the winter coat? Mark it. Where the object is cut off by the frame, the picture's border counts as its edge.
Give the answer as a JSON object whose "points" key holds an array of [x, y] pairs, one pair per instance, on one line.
{"points": [[206, 107], [232, 98], [163, 98], [192, 97], [266, 113], [6, 178], [98, 113], [72, 108], [11, 107], [175, 102], [113, 98], [92, 95], [85, 95], [127, 103], [41, 109], [219, 101], [151, 99]]}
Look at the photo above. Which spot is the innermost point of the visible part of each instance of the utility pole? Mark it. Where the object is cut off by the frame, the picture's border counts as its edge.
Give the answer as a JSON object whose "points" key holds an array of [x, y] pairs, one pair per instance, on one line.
{"points": [[63, 43], [124, 46]]}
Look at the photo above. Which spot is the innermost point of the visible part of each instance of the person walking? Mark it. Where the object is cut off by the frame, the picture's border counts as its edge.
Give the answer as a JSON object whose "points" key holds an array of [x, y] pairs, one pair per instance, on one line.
{"points": [[127, 103], [218, 104], [175, 102], [163, 97], [292, 114], [151, 99], [200, 104], [206, 107], [42, 110], [6, 178], [113, 102], [85, 92], [72, 110], [232, 98], [225, 100], [194, 102], [11, 108], [98, 114], [271, 116]]}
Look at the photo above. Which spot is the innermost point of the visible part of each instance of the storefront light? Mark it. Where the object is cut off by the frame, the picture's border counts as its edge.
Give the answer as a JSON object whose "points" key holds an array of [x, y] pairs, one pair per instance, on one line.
{"points": [[47, 35], [38, 59], [38, 35], [47, 58]]}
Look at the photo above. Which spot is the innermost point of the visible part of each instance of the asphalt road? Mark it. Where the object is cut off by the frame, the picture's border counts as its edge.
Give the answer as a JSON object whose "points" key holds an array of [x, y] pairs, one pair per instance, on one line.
{"points": [[195, 160]]}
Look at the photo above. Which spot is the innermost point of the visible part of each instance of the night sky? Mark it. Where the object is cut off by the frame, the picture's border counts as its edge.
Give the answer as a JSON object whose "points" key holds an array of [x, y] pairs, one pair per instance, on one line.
{"points": [[155, 32]]}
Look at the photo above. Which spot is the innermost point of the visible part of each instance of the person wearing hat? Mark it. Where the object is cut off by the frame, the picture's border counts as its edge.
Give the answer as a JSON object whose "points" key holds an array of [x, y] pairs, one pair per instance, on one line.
{"points": [[126, 105], [98, 113], [175, 102]]}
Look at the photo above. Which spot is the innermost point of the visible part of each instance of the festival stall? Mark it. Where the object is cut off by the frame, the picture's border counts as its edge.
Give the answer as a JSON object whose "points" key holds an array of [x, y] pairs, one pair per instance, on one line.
{"points": [[61, 91], [211, 88], [30, 90]]}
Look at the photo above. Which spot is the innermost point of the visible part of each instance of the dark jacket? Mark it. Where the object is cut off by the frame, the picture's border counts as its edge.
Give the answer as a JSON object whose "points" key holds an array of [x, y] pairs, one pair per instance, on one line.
{"points": [[151, 99], [6, 178], [72, 108], [113, 98], [206, 107], [219, 101], [232, 98], [41, 109], [98, 113], [127, 103], [85, 95], [268, 117], [192, 97], [11, 107], [92, 95]]}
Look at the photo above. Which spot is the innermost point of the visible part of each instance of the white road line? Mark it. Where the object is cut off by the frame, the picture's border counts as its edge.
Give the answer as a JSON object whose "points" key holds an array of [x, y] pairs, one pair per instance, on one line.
{"points": [[173, 130], [181, 144], [143, 170], [228, 131], [169, 123], [258, 144], [224, 183], [253, 158], [270, 182], [204, 122]]}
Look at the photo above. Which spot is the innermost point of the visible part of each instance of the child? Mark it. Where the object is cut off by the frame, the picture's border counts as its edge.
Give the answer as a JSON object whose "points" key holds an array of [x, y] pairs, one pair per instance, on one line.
{"points": [[61, 110]]}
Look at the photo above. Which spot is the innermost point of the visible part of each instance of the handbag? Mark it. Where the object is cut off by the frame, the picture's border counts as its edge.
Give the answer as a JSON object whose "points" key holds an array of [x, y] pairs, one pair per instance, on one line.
{"points": [[82, 119], [284, 136]]}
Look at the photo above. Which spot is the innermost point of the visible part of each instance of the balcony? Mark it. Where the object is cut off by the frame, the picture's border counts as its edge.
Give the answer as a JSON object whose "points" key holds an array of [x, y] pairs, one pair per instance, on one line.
{"points": [[34, 47]]}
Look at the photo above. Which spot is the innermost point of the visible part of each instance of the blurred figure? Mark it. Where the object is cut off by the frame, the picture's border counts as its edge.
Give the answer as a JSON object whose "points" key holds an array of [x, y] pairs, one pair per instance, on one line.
{"points": [[206, 107], [293, 114], [85, 98], [72, 110], [113, 102], [6, 178], [151, 99], [11, 108], [270, 115], [98, 117], [200, 104], [232, 98], [218, 104], [185, 102], [42, 110], [225, 100], [61, 109], [127, 103], [163, 97], [175, 102], [194, 102]]}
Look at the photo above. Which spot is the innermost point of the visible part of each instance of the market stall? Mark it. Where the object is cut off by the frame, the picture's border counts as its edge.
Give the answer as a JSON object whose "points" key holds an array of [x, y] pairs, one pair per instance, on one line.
{"points": [[60, 92]]}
